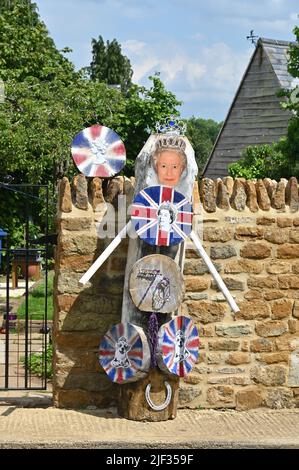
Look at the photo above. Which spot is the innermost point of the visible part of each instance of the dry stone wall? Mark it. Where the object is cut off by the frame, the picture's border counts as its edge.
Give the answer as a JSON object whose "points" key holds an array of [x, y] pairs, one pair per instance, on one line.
{"points": [[250, 230]]}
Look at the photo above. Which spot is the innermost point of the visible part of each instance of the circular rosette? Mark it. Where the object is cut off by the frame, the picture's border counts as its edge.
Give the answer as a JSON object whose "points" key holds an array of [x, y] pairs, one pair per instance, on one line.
{"points": [[156, 284], [98, 151], [161, 216], [178, 346], [124, 353]]}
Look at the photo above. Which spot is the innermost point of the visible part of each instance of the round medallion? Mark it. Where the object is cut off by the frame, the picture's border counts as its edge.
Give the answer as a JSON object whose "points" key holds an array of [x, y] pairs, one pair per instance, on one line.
{"points": [[161, 216], [98, 151], [156, 284], [178, 346], [124, 353]]}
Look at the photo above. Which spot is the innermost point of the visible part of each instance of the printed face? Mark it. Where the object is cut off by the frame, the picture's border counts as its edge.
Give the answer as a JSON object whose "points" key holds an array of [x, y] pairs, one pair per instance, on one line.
{"points": [[169, 168]]}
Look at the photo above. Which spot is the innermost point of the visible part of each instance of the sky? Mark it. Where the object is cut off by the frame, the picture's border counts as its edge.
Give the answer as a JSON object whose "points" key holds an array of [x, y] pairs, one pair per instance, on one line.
{"points": [[198, 46]]}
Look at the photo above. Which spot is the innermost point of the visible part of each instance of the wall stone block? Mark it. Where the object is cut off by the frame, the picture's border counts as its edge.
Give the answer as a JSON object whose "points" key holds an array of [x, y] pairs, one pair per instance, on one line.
{"points": [[288, 251], [271, 328], [208, 195], [284, 222], [265, 220], [243, 266], [65, 196], [238, 197], [262, 196], [255, 250], [224, 345], [278, 196], [269, 375], [221, 395], [295, 311], [238, 357], [273, 294], [291, 194], [223, 196], [277, 267], [273, 358], [248, 399], [205, 312], [197, 267], [253, 295], [231, 283], [249, 233], [251, 196], [277, 236], [222, 252], [278, 398], [213, 234], [234, 331], [294, 235], [281, 309], [262, 282], [253, 310], [262, 345], [288, 281]]}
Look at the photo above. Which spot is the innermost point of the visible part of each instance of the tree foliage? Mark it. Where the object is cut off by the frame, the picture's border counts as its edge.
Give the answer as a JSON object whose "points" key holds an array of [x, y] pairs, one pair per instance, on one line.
{"points": [[47, 103], [202, 134], [263, 161], [109, 65]]}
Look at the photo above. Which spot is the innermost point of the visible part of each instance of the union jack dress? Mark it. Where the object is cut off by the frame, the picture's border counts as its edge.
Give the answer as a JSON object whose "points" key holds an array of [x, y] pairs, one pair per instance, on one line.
{"points": [[178, 346], [98, 151], [161, 216], [124, 353]]}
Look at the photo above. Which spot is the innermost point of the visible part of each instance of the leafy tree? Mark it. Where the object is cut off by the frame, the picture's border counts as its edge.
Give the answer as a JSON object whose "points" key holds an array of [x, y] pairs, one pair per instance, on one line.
{"points": [[202, 134], [109, 65], [263, 161], [290, 145], [47, 105], [26, 48]]}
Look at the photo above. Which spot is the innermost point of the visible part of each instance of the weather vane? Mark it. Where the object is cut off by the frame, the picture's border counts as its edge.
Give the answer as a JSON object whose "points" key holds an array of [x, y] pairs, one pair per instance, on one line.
{"points": [[252, 37]]}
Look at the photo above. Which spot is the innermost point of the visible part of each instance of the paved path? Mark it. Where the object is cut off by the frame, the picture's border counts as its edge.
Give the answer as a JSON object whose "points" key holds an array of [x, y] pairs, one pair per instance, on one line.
{"points": [[57, 428]]}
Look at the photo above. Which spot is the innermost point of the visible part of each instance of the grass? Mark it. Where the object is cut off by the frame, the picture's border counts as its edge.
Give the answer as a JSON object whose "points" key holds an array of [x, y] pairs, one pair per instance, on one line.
{"points": [[36, 302], [36, 362]]}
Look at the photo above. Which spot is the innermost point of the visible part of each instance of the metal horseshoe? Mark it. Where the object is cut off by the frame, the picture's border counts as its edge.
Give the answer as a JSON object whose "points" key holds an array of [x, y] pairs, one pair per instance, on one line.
{"points": [[167, 400]]}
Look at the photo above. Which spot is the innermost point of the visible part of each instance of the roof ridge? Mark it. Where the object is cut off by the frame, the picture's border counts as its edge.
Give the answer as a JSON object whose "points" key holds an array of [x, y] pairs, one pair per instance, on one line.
{"points": [[276, 42]]}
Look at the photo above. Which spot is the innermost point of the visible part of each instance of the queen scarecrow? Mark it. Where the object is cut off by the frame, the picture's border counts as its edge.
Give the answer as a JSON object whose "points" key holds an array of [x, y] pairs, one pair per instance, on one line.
{"points": [[154, 345]]}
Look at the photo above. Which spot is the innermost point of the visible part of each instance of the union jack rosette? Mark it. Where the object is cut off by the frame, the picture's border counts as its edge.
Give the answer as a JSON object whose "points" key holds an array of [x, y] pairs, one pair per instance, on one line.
{"points": [[124, 353], [98, 151], [161, 216], [178, 346]]}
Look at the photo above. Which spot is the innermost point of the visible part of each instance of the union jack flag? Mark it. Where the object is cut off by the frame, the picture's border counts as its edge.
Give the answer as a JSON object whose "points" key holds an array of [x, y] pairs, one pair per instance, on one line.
{"points": [[179, 344], [98, 151], [121, 353], [161, 216]]}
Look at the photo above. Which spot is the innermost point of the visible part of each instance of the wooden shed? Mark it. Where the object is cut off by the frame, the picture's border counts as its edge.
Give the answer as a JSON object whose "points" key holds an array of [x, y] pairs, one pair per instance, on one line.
{"points": [[255, 116]]}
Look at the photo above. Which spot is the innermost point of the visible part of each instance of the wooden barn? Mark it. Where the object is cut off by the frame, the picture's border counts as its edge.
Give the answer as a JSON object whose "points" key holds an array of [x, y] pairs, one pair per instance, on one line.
{"points": [[255, 115]]}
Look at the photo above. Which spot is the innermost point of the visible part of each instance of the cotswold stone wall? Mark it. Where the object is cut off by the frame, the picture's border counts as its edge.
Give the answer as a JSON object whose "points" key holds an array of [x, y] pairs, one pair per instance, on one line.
{"points": [[251, 233]]}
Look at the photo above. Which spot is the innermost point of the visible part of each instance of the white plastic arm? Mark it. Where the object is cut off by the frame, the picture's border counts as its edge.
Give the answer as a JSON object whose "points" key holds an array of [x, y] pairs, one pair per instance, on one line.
{"points": [[214, 272], [103, 256]]}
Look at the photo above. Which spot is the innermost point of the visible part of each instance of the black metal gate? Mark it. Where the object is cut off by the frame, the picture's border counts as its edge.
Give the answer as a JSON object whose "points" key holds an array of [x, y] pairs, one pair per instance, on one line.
{"points": [[25, 328]]}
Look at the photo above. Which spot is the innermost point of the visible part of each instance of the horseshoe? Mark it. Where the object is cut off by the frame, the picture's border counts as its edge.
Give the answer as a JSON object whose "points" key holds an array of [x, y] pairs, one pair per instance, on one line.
{"points": [[167, 400]]}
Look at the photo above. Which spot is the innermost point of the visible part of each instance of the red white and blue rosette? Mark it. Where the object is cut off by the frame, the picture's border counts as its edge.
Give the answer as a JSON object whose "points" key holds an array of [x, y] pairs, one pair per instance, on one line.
{"points": [[124, 353], [178, 346], [161, 216], [98, 151]]}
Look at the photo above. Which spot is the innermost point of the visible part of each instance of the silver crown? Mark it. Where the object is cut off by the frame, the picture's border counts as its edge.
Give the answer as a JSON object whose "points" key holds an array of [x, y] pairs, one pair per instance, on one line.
{"points": [[174, 142], [171, 126]]}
